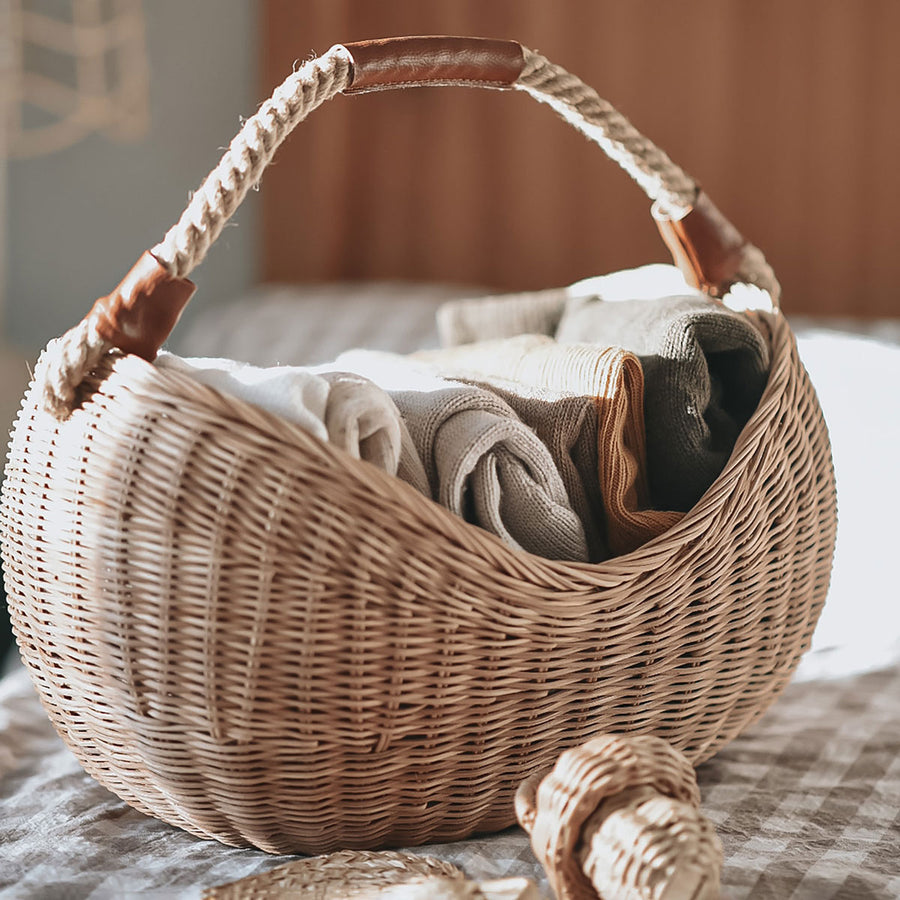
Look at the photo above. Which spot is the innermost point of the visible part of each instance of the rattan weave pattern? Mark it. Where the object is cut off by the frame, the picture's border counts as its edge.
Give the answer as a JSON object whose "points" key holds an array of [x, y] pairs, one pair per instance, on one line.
{"points": [[245, 632], [343, 875]]}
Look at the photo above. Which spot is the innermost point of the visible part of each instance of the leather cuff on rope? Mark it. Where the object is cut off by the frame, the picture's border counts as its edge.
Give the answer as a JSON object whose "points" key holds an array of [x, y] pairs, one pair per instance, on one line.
{"points": [[711, 253], [136, 317]]}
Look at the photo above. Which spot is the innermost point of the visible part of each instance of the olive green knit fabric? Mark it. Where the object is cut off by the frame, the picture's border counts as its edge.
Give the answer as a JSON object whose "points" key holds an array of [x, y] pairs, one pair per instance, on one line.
{"points": [[705, 368]]}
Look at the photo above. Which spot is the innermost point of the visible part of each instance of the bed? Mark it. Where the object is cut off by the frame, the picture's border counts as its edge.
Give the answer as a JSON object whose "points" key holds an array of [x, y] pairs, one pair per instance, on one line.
{"points": [[806, 802]]}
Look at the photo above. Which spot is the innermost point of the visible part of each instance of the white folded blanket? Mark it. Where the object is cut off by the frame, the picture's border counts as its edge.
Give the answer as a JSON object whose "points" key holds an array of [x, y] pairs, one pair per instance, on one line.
{"points": [[482, 462], [342, 408]]}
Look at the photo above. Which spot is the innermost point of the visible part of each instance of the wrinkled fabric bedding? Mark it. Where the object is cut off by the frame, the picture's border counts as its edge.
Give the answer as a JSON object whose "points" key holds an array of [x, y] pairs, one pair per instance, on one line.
{"points": [[806, 802]]}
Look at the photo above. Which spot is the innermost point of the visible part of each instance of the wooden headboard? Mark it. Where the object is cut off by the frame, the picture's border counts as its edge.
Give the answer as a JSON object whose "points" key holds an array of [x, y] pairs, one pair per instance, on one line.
{"points": [[785, 112]]}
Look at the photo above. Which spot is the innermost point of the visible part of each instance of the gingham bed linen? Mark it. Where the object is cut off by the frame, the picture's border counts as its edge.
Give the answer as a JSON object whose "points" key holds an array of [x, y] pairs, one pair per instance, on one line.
{"points": [[806, 803]]}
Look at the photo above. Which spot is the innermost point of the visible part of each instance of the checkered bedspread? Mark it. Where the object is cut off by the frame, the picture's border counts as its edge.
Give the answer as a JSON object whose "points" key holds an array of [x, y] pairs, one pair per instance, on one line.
{"points": [[806, 803]]}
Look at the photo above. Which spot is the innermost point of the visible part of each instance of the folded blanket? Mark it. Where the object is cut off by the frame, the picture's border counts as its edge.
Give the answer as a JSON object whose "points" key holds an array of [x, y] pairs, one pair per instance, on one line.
{"points": [[705, 368], [482, 462], [540, 312], [586, 405], [488, 318], [342, 408], [362, 419]]}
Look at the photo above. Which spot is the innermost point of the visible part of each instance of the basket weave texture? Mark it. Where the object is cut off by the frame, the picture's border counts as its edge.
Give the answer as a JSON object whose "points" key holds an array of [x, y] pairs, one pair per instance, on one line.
{"points": [[243, 631], [247, 633], [338, 876]]}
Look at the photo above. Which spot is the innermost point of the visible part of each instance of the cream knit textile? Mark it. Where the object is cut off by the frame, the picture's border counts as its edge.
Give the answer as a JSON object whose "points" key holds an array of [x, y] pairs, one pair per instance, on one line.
{"points": [[586, 404], [348, 411], [540, 312], [506, 315]]}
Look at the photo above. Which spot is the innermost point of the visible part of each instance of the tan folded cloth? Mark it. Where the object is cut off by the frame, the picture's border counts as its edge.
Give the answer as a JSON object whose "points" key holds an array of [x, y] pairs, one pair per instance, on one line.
{"points": [[482, 462], [586, 404], [362, 419], [506, 315]]}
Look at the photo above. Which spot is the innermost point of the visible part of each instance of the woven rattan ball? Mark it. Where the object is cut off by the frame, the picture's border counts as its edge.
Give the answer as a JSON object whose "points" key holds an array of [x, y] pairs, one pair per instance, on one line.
{"points": [[619, 818]]}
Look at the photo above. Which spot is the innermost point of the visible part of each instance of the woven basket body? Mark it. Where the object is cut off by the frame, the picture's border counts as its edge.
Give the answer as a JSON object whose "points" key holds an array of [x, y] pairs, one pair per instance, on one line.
{"points": [[247, 633]]}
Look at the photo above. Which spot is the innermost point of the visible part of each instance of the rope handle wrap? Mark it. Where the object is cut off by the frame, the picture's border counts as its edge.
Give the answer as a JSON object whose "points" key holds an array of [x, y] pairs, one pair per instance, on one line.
{"points": [[710, 251]]}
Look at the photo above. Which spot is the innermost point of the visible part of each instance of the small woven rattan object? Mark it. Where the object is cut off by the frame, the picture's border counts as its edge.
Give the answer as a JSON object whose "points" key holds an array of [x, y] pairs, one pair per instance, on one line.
{"points": [[619, 817], [337, 876], [247, 633], [361, 875]]}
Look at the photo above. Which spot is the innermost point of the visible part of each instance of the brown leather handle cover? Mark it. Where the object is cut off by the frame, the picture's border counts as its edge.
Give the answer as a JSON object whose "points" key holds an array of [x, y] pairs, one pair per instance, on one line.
{"points": [[141, 312], [705, 246], [401, 62]]}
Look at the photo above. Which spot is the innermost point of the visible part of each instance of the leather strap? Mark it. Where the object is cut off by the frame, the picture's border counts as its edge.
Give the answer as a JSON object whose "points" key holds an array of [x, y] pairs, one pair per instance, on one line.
{"points": [[704, 245], [141, 312], [418, 61]]}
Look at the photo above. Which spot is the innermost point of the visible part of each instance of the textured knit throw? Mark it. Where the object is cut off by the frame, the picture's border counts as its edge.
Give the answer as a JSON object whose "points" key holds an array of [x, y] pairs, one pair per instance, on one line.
{"points": [[482, 462], [540, 312], [705, 368], [487, 318], [586, 404]]}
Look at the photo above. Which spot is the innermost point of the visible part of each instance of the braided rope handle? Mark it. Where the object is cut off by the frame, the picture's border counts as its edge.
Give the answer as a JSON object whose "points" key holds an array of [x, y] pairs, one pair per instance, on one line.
{"points": [[349, 68]]}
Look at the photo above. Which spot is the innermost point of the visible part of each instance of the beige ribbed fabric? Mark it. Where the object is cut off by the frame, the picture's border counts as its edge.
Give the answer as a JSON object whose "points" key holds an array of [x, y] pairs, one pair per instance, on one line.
{"points": [[506, 315], [483, 463], [570, 395], [568, 425]]}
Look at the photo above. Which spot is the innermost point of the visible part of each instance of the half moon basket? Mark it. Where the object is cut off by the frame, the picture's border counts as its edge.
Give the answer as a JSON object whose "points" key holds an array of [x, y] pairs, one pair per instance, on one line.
{"points": [[243, 631]]}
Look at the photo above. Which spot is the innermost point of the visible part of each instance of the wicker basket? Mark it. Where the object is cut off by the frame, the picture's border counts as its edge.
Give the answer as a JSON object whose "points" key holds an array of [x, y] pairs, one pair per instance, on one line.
{"points": [[244, 632]]}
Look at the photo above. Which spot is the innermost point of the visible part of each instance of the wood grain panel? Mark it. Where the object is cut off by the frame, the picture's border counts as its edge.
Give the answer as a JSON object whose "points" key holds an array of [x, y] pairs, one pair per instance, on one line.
{"points": [[786, 112]]}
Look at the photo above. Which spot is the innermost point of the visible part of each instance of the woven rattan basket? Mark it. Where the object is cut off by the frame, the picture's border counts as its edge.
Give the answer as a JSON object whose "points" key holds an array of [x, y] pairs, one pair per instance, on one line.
{"points": [[245, 632]]}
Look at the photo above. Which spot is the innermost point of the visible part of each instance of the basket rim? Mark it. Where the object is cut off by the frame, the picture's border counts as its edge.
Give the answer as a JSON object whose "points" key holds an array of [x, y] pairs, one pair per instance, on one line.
{"points": [[778, 334], [683, 662]]}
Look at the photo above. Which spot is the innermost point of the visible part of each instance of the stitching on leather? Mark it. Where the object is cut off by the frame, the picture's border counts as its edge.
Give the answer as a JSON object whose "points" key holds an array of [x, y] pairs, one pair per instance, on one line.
{"points": [[449, 82]]}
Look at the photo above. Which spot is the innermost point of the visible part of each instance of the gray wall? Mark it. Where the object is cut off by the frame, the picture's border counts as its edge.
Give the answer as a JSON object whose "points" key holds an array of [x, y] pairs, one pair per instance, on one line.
{"points": [[79, 218]]}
